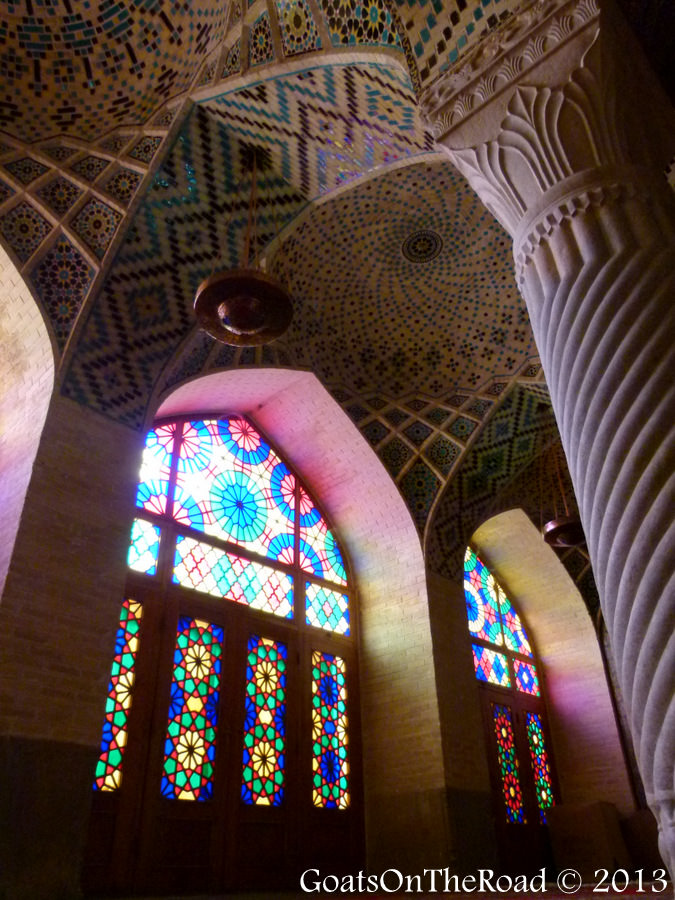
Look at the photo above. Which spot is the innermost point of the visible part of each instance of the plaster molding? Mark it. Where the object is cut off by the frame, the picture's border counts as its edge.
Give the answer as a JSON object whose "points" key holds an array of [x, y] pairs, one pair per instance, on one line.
{"points": [[503, 59]]}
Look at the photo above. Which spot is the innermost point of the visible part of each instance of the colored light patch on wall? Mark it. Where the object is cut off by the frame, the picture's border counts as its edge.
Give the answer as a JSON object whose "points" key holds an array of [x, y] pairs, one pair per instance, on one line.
{"points": [[330, 764], [527, 680], [326, 609], [490, 666], [264, 762], [231, 484], [212, 571], [153, 483], [509, 767], [319, 552], [143, 547], [108, 775], [540, 764], [190, 745]]}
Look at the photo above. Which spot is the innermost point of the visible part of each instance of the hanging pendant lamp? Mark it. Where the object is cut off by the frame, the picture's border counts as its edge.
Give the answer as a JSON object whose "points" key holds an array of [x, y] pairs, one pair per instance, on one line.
{"points": [[564, 530], [244, 307]]}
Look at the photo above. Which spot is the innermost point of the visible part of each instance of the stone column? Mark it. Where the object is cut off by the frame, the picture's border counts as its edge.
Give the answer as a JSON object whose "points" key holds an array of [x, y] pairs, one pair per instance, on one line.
{"points": [[542, 121]]}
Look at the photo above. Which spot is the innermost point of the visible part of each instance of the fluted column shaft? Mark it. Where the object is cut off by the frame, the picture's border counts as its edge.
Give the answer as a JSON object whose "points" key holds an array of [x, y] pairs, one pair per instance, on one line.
{"points": [[542, 133]]}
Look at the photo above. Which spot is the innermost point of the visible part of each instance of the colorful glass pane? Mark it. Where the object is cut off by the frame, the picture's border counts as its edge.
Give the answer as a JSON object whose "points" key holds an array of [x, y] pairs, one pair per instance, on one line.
{"points": [[327, 609], [153, 482], [190, 745], [118, 705], [508, 763], [319, 552], [490, 666], [514, 634], [330, 763], [265, 723], [527, 680], [213, 571], [482, 606], [231, 484], [540, 764], [144, 547]]}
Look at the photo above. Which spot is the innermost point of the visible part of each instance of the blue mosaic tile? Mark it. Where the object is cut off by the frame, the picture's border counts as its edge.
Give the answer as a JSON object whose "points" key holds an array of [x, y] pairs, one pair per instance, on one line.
{"points": [[96, 223], [496, 389], [462, 428], [5, 191], [396, 416], [90, 167], [395, 454], [115, 144], [419, 487], [437, 415], [122, 185], [59, 152], [146, 148], [59, 194], [375, 432], [356, 412], [355, 22], [26, 170], [24, 229], [260, 44], [233, 60], [442, 453], [62, 278], [417, 433], [479, 407], [299, 33]]}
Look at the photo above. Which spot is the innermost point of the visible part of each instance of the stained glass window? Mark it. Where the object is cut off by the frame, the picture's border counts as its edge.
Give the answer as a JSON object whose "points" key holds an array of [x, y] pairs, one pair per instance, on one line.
{"points": [[329, 731], [493, 620], [327, 609], [190, 746], [213, 571], [319, 552], [509, 767], [232, 485], [526, 677], [120, 691], [153, 483], [490, 666], [143, 547], [265, 723], [540, 764]]}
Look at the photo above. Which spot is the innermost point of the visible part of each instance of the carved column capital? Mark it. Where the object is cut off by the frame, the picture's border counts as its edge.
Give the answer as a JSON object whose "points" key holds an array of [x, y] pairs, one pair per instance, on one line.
{"points": [[540, 117]]}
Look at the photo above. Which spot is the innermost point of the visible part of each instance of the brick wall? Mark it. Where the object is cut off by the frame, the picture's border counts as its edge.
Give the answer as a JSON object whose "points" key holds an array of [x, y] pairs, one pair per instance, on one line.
{"points": [[26, 380]]}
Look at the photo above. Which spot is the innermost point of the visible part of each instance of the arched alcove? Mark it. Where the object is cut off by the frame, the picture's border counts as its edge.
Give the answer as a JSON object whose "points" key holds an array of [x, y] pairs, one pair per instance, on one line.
{"points": [[403, 769], [587, 747], [27, 379]]}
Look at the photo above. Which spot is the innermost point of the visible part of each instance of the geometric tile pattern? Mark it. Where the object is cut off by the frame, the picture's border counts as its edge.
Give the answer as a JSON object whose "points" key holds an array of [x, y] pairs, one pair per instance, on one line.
{"points": [[61, 280], [458, 319], [191, 221], [83, 68], [299, 33], [24, 229], [233, 60], [441, 31], [90, 167], [260, 44], [5, 191], [419, 487], [354, 22], [329, 124], [122, 184], [515, 434], [59, 194], [25, 170], [96, 224], [146, 148]]}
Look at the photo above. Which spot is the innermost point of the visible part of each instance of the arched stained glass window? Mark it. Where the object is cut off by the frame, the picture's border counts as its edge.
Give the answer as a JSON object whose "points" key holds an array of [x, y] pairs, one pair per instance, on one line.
{"points": [[234, 662], [505, 666]]}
